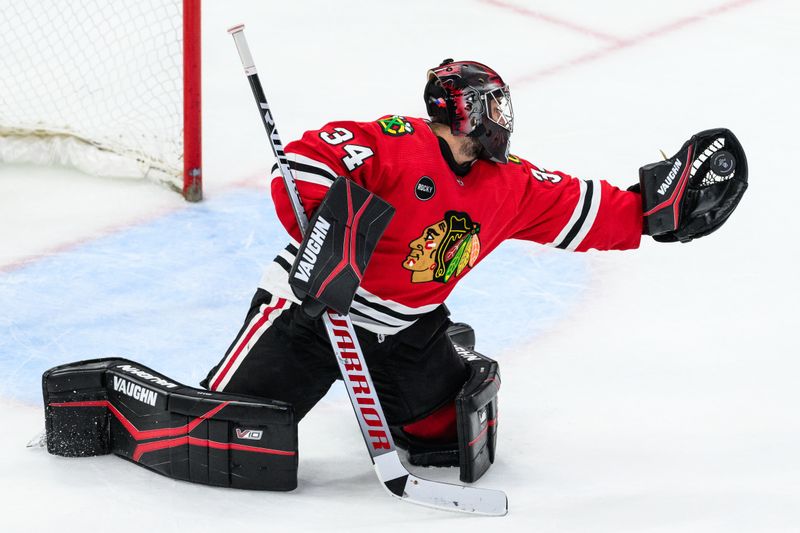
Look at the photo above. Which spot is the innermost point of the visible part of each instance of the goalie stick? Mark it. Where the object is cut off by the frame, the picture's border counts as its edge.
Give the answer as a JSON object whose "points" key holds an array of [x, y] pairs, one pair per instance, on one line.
{"points": [[396, 479]]}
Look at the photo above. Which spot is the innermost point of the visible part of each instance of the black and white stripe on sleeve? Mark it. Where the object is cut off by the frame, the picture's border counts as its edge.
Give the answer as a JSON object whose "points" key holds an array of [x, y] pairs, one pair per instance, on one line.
{"points": [[307, 170], [582, 219], [286, 257]]}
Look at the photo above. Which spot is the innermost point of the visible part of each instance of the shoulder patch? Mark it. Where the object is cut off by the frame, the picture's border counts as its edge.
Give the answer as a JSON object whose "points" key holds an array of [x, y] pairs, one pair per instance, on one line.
{"points": [[396, 126], [514, 159]]}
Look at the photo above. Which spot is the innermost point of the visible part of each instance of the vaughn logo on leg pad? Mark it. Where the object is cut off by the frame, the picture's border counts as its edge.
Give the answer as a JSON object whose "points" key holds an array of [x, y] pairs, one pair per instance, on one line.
{"points": [[316, 240], [146, 376], [137, 392]]}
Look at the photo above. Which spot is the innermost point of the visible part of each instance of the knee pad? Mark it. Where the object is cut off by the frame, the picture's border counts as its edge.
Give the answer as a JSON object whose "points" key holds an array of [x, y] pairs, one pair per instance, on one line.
{"points": [[118, 406], [462, 335]]}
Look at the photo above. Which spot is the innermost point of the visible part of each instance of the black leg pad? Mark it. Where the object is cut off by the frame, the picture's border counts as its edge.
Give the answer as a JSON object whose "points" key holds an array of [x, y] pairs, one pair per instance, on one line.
{"points": [[118, 406], [476, 413]]}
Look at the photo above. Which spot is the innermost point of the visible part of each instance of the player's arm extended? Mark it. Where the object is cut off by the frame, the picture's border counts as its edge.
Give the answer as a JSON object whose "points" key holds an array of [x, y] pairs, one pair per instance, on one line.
{"points": [[316, 160], [573, 214]]}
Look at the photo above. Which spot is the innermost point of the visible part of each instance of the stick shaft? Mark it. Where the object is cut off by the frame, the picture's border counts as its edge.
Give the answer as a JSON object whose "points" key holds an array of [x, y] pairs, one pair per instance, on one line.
{"points": [[269, 124], [341, 332]]}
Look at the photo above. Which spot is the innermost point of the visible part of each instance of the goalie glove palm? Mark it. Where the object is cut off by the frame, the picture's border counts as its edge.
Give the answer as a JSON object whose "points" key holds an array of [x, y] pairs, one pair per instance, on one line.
{"points": [[694, 192]]}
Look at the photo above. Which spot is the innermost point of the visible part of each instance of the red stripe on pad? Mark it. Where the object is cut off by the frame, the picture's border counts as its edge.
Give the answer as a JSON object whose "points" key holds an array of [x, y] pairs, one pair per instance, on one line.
{"points": [[482, 434], [179, 434]]}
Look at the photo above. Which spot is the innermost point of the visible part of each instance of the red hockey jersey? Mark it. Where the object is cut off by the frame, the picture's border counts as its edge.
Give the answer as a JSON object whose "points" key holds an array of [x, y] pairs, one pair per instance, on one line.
{"points": [[444, 224]]}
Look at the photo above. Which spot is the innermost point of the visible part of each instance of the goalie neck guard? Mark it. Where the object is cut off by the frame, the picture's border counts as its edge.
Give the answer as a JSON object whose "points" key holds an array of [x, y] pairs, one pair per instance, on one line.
{"points": [[473, 100]]}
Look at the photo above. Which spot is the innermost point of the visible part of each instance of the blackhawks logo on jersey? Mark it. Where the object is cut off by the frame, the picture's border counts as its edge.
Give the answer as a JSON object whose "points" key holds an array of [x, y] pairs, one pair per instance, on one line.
{"points": [[395, 126], [445, 249]]}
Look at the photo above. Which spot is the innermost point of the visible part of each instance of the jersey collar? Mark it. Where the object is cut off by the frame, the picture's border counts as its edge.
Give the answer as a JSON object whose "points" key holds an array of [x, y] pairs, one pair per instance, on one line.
{"points": [[459, 170]]}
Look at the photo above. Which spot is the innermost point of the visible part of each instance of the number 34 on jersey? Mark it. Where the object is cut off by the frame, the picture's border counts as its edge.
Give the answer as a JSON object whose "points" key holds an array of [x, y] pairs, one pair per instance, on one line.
{"points": [[355, 154]]}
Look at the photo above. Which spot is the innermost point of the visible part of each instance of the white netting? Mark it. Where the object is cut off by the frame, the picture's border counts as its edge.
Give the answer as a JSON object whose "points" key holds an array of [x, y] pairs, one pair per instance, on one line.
{"points": [[95, 84]]}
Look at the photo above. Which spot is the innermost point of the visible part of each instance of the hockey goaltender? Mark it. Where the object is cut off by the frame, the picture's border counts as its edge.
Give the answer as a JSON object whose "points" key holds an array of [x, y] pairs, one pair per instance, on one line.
{"points": [[422, 201]]}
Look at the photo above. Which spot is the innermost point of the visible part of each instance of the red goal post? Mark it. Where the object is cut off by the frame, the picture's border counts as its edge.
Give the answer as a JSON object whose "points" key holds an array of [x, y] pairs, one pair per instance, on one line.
{"points": [[109, 87], [192, 112]]}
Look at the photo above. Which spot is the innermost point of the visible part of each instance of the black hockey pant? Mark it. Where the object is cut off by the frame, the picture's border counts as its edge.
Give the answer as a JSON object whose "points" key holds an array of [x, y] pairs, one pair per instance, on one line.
{"points": [[281, 354]]}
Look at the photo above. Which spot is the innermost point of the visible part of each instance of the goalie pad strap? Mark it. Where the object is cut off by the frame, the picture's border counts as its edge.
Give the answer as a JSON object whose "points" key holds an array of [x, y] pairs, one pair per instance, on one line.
{"points": [[118, 406]]}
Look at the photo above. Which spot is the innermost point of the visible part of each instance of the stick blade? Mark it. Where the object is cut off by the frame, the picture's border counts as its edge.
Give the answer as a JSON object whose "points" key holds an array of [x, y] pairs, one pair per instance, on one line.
{"points": [[405, 486], [458, 498]]}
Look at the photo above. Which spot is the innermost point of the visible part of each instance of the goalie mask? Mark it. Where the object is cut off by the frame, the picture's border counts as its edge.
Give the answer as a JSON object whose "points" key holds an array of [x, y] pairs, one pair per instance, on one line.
{"points": [[473, 100]]}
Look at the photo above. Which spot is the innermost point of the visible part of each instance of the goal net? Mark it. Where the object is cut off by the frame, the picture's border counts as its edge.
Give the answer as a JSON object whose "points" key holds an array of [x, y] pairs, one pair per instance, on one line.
{"points": [[111, 87]]}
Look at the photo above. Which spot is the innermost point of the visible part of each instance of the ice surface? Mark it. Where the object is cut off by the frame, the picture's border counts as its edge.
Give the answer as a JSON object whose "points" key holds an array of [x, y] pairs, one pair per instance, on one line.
{"points": [[652, 391], [171, 293]]}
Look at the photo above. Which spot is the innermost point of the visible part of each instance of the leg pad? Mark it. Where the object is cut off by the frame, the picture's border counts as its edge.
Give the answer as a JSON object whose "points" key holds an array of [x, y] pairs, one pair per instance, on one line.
{"points": [[118, 406]]}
